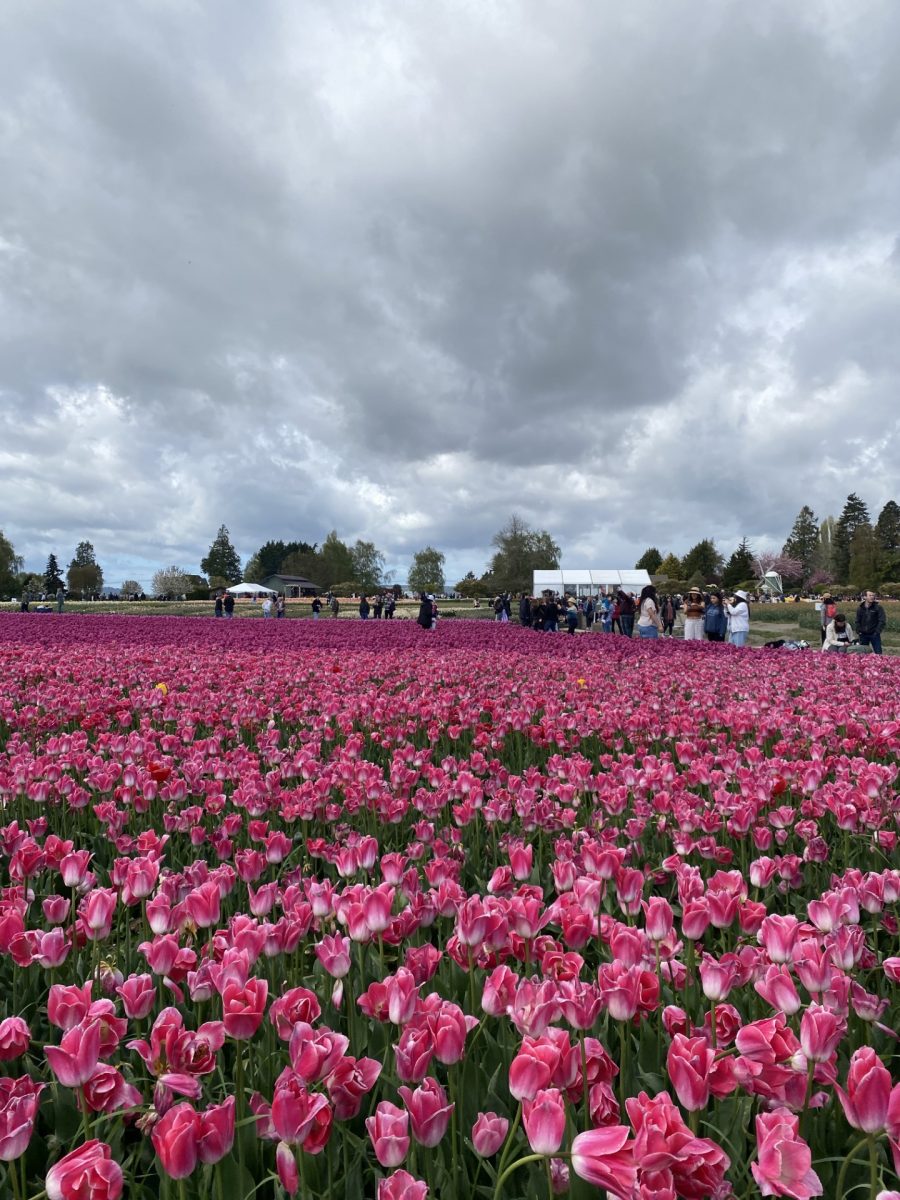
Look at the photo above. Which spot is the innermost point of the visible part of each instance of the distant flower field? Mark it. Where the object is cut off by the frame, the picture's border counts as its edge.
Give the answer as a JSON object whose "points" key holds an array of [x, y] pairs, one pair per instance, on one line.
{"points": [[353, 910]]}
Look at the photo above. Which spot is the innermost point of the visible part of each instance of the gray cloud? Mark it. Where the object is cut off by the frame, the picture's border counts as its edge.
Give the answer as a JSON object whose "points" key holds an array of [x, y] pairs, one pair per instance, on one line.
{"points": [[398, 269]]}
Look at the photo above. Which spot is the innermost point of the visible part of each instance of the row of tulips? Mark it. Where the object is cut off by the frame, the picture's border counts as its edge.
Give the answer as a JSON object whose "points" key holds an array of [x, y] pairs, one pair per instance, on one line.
{"points": [[479, 913]]}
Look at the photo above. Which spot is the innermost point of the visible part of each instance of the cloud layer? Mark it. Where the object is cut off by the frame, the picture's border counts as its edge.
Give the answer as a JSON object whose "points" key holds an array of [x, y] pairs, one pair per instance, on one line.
{"points": [[400, 269]]}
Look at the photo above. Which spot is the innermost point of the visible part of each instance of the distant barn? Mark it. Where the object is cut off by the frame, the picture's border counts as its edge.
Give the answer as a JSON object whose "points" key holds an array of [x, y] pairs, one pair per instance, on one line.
{"points": [[292, 585]]}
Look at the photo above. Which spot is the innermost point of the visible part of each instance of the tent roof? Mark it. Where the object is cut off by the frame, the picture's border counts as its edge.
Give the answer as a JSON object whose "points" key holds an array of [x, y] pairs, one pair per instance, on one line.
{"points": [[248, 589], [590, 577]]}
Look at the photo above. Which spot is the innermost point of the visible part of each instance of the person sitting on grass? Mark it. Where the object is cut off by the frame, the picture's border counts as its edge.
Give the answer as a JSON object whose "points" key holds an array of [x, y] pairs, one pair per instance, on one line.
{"points": [[838, 633]]}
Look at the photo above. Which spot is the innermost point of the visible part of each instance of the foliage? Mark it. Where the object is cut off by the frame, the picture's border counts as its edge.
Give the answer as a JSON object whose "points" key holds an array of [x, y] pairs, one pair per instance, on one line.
{"points": [[10, 565], [427, 571], [649, 561], [368, 565], [53, 580], [519, 552], [740, 567], [803, 541], [270, 559], [863, 572], [337, 561], [85, 575], [130, 587], [223, 561], [855, 514], [171, 581], [702, 560], [671, 567], [824, 561]]}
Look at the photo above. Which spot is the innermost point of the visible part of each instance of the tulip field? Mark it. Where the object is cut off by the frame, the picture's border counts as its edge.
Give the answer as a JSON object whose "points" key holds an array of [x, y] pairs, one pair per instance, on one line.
{"points": [[355, 910]]}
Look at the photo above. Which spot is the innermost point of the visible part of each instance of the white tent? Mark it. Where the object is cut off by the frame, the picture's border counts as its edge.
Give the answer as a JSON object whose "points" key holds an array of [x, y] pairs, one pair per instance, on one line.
{"points": [[588, 582], [250, 589]]}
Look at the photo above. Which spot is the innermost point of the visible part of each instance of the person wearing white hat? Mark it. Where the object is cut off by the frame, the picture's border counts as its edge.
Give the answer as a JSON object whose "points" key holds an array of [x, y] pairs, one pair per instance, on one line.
{"points": [[738, 610]]}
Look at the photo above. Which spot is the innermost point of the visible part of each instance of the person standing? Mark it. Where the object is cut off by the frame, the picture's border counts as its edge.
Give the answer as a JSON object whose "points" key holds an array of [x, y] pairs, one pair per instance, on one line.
{"points": [[571, 616], [524, 610], [626, 614], [390, 606], [218, 605], [693, 615], [551, 615], [335, 606], [378, 607], [649, 623], [364, 608], [60, 599], [425, 612], [279, 605], [870, 622], [667, 615], [228, 606], [316, 607], [827, 613], [715, 622], [267, 606], [739, 616]]}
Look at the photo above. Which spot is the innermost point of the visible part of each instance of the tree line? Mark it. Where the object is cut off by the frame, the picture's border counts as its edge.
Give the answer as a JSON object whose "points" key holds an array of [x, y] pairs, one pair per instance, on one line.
{"points": [[849, 553]]}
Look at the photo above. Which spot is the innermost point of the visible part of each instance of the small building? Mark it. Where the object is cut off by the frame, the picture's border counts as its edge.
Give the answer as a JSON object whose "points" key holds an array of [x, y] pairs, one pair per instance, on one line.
{"points": [[592, 581], [293, 586]]}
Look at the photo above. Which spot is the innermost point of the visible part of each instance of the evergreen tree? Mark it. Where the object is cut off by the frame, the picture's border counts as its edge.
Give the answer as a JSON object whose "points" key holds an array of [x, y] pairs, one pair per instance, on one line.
{"points": [[649, 561], [52, 578], [855, 514], [863, 567], [887, 528], [803, 541], [223, 562], [10, 565], [427, 571], [740, 568], [704, 560], [519, 552], [671, 567], [84, 573]]}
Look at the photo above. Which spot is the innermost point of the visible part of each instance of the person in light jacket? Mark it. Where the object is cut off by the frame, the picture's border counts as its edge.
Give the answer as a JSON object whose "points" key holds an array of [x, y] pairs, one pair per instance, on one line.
{"points": [[839, 633], [693, 615], [738, 618]]}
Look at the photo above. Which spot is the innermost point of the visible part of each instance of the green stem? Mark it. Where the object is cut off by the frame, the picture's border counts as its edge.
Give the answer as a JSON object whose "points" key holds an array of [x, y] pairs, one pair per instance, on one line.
{"points": [[873, 1169], [520, 1162], [623, 1065], [510, 1137], [842, 1177], [585, 1096]]}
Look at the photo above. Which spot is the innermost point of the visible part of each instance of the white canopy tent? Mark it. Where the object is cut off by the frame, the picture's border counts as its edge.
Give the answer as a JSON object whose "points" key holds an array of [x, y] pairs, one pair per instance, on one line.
{"points": [[588, 582], [250, 589]]}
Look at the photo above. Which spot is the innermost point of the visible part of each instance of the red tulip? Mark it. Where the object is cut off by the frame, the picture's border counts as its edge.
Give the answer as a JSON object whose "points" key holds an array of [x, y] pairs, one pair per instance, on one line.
{"points": [[300, 1117], [88, 1173]]}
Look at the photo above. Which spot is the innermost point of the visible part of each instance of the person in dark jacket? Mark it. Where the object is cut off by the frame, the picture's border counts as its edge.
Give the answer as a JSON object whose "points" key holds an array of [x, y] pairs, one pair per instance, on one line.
{"points": [[715, 620], [228, 605], [218, 604], [870, 622], [426, 612], [364, 608], [551, 615], [525, 610], [626, 613]]}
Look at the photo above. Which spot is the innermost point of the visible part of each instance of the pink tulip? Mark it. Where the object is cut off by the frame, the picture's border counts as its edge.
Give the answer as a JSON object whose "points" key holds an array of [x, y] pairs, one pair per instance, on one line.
{"points": [[866, 1100], [97, 912], [689, 1063], [74, 1059], [175, 1139], [67, 1006], [15, 1038], [138, 994], [388, 1130], [334, 955], [216, 1134], [88, 1173], [821, 1031], [300, 1117], [429, 1111], [19, 1100], [243, 1008], [777, 988], [401, 1186], [605, 1158], [489, 1133], [286, 1166], [544, 1119], [784, 1161]]}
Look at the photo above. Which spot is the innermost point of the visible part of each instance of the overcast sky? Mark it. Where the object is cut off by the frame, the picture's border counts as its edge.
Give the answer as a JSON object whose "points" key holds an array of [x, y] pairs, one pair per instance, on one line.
{"points": [[399, 269]]}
